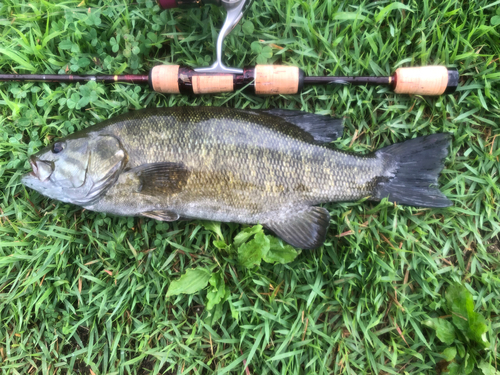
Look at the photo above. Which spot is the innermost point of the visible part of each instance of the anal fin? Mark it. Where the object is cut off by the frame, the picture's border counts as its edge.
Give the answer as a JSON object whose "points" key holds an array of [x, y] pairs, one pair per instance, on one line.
{"points": [[305, 229]]}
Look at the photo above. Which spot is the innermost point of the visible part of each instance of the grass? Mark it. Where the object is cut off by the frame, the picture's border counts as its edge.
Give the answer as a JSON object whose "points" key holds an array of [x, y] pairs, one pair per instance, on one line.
{"points": [[82, 292]]}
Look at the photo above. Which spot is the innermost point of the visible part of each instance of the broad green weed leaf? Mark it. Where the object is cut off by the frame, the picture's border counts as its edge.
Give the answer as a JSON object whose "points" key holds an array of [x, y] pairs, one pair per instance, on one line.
{"points": [[469, 363], [234, 312], [487, 369], [445, 331], [220, 245], [217, 313], [82, 102], [83, 62], [248, 28], [252, 252], [66, 44], [459, 302], [267, 52], [477, 329], [391, 7], [279, 252], [213, 226], [194, 280], [152, 37], [217, 292], [348, 16], [450, 353], [261, 59], [256, 47], [73, 100], [454, 369], [245, 234], [85, 90]]}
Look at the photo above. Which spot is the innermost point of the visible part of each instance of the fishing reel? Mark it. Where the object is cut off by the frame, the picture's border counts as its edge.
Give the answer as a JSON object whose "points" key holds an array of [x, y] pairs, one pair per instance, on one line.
{"points": [[234, 9]]}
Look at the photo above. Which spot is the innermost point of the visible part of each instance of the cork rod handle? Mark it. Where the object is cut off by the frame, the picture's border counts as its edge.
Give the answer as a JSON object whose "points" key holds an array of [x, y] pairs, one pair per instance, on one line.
{"points": [[425, 80], [281, 80], [276, 79], [265, 80], [164, 78]]}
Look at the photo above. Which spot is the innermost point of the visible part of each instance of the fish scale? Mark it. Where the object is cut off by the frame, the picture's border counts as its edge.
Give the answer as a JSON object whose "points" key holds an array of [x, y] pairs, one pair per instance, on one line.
{"points": [[231, 165]]}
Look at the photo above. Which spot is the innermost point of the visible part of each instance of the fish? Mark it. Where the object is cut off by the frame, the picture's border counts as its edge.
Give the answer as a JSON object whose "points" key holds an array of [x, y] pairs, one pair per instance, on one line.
{"points": [[269, 167]]}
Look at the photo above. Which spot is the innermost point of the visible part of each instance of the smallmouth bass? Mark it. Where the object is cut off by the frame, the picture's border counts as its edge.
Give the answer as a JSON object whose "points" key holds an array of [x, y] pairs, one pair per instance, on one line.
{"points": [[245, 166]]}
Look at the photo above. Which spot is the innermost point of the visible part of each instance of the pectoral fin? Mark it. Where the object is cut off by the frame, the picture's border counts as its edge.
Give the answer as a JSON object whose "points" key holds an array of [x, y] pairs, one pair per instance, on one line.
{"points": [[161, 215], [305, 229], [161, 178]]}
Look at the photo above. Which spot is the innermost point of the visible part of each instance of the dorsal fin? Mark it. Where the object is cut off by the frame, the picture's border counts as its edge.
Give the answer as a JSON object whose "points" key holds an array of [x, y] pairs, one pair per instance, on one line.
{"points": [[324, 129]]}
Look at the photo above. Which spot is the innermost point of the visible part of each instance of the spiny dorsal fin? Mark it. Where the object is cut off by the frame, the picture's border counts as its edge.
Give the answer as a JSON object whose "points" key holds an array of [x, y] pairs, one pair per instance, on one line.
{"points": [[305, 229], [162, 215], [161, 178], [324, 129]]}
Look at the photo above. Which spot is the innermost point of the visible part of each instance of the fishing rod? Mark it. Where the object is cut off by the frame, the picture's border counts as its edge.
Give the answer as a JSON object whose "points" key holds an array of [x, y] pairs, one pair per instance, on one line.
{"points": [[262, 79]]}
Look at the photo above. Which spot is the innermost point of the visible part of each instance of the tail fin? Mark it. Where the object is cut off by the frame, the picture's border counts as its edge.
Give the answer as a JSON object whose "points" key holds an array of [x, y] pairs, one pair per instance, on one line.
{"points": [[413, 168]]}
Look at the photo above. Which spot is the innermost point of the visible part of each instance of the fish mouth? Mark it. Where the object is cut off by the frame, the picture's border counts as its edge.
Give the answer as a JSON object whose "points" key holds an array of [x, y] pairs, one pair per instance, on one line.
{"points": [[33, 167], [41, 169]]}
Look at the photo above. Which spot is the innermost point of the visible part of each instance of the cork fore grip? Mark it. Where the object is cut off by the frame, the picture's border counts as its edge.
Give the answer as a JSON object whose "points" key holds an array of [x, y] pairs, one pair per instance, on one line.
{"points": [[425, 80], [276, 79], [164, 78], [212, 84]]}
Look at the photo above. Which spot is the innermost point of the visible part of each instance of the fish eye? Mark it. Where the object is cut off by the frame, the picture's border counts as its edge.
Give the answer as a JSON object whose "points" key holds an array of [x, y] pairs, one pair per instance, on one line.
{"points": [[57, 147]]}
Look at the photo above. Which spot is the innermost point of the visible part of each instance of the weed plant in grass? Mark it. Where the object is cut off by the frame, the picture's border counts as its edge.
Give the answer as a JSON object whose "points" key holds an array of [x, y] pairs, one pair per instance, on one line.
{"points": [[81, 291]]}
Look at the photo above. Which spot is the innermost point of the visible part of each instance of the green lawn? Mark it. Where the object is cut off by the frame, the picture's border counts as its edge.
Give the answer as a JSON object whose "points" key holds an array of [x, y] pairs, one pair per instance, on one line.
{"points": [[82, 292]]}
